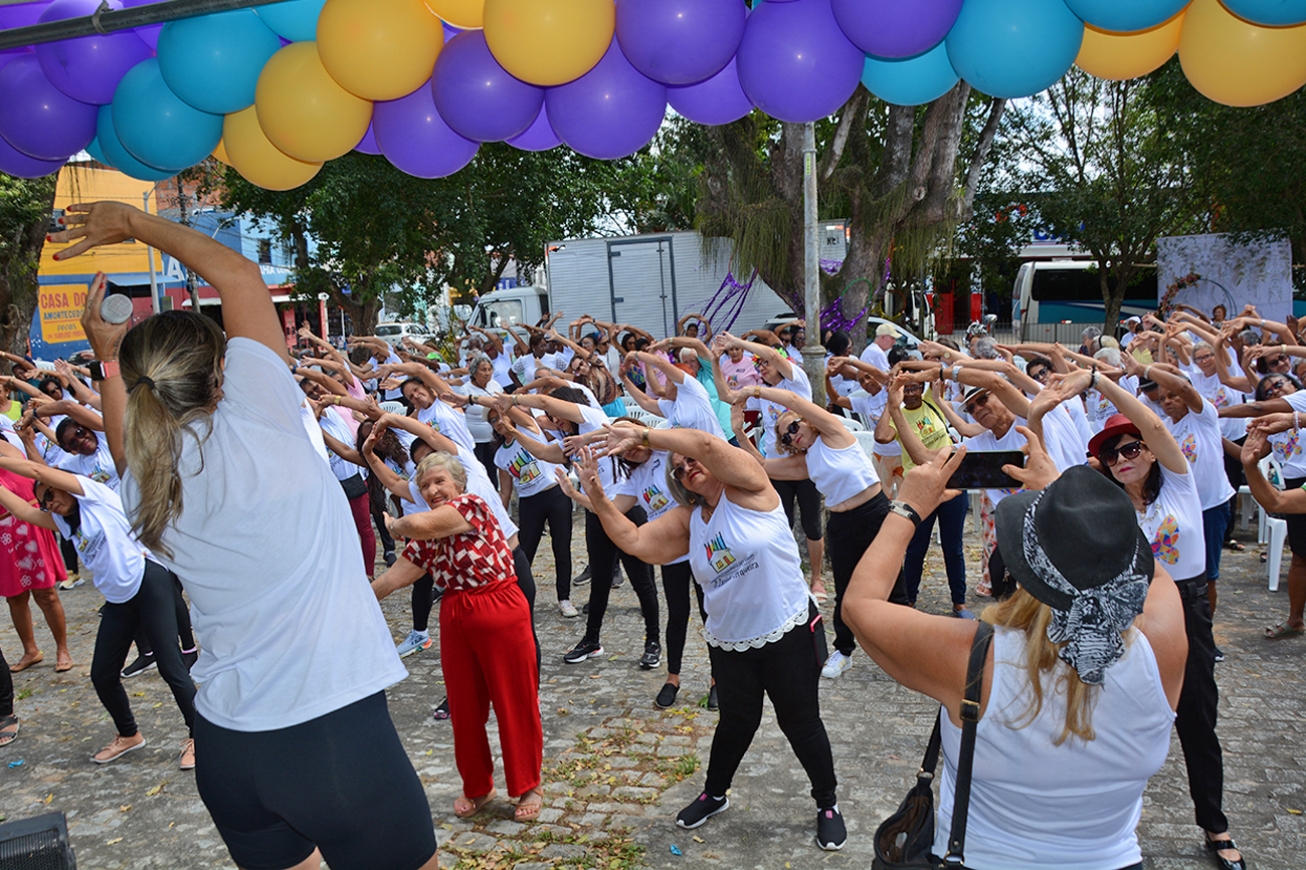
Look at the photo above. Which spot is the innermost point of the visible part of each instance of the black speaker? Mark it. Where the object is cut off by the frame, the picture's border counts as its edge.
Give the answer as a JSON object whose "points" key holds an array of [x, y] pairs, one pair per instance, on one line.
{"points": [[36, 844]]}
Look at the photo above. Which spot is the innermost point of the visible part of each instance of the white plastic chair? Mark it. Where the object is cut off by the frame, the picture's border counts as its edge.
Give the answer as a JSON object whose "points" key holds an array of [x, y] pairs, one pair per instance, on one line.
{"points": [[1273, 531], [866, 440], [394, 408], [852, 425]]}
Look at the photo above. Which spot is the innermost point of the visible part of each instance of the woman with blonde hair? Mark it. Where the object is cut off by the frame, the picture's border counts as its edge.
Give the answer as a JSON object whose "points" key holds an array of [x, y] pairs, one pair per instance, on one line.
{"points": [[1080, 684], [221, 482]]}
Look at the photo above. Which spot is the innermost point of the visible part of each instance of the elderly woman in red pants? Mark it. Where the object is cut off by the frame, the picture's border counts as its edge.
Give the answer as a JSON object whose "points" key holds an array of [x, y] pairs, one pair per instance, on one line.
{"points": [[487, 648]]}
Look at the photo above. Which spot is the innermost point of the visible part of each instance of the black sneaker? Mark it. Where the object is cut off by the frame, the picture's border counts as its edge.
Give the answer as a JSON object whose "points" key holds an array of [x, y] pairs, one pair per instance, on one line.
{"points": [[652, 655], [702, 809], [139, 666], [708, 701], [586, 608], [667, 696], [618, 578], [390, 558], [586, 649], [190, 658], [1219, 654], [583, 577], [830, 831]]}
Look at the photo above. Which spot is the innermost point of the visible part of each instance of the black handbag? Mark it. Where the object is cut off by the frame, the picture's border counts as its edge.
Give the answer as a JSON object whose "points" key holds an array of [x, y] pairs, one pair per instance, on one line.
{"points": [[906, 839]]}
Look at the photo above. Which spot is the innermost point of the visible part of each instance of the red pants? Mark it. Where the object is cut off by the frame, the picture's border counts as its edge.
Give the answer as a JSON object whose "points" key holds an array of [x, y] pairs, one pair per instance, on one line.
{"points": [[361, 508], [487, 652]]}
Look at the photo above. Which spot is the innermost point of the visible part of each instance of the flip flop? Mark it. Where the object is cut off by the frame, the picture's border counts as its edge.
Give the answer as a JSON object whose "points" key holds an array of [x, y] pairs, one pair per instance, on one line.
{"points": [[465, 807], [7, 735], [1283, 631]]}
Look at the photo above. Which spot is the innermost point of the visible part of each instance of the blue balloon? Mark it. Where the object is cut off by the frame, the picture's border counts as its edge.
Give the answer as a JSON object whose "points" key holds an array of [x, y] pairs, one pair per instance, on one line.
{"points": [[156, 126], [1270, 13], [911, 81], [1122, 16], [1014, 48], [296, 20], [213, 61], [117, 156]]}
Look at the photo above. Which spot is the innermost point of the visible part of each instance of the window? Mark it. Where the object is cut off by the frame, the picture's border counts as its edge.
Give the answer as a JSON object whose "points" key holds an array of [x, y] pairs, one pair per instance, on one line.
{"points": [[507, 312], [265, 251]]}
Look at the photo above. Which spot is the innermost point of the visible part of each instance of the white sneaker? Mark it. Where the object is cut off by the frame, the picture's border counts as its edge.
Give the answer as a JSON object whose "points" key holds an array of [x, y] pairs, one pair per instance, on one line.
{"points": [[416, 640], [835, 665], [568, 609]]}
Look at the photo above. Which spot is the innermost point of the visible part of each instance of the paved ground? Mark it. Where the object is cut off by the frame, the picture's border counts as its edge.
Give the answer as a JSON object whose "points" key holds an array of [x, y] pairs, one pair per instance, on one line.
{"points": [[618, 769]]}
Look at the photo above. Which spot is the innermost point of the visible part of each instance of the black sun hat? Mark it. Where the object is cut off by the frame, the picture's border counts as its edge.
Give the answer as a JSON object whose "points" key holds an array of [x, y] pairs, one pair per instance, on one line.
{"points": [[1076, 547]]}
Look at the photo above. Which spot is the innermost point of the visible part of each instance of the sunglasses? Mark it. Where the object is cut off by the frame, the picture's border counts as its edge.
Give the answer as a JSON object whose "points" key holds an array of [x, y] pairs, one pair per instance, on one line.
{"points": [[1275, 388], [44, 499], [1039, 373], [1281, 358], [979, 400], [678, 471], [1129, 451], [787, 438]]}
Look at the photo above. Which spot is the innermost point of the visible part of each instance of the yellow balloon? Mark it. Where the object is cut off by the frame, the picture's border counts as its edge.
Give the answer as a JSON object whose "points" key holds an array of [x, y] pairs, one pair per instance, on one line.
{"points": [[379, 49], [1123, 56], [1237, 63], [220, 154], [549, 42], [257, 159], [464, 14], [303, 111]]}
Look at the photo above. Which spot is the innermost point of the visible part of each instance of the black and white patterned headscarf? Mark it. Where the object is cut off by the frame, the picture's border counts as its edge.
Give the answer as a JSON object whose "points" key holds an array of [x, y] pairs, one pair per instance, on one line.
{"points": [[1091, 628]]}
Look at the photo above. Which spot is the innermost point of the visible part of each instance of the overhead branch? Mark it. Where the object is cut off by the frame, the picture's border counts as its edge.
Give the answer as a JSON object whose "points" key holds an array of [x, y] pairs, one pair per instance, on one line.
{"points": [[852, 116]]}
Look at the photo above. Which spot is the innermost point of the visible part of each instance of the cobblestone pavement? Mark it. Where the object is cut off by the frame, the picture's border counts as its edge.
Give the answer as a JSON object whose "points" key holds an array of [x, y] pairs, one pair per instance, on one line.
{"points": [[618, 769]]}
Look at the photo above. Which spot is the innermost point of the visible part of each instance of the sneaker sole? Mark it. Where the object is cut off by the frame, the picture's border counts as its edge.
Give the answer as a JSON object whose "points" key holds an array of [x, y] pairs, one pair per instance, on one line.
{"points": [[830, 847], [150, 667], [648, 666], [140, 745], [404, 655], [721, 809], [569, 659]]}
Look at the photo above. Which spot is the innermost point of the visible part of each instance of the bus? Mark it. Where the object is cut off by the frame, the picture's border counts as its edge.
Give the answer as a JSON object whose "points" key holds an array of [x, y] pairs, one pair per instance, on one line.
{"points": [[1055, 301]]}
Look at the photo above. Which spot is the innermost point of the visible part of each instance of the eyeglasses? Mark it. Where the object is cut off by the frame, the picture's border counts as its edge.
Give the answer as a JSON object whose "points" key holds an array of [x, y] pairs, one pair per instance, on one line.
{"points": [[1039, 374], [1129, 451], [1281, 358], [977, 402], [678, 471], [1203, 359], [787, 438]]}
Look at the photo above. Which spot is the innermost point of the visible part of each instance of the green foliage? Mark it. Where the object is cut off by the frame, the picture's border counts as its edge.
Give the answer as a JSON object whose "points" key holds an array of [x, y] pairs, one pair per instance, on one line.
{"points": [[25, 209]]}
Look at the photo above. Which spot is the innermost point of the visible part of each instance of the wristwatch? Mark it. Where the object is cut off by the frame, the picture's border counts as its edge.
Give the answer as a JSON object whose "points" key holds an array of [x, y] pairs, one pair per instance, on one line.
{"points": [[103, 370], [902, 509]]}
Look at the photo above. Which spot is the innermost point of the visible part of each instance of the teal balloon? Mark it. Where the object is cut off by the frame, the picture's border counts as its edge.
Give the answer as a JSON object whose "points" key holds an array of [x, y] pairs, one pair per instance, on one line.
{"points": [[94, 149], [1014, 48], [212, 62], [296, 20], [156, 126], [910, 81], [1123, 16], [1269, 13], [106, 139]]}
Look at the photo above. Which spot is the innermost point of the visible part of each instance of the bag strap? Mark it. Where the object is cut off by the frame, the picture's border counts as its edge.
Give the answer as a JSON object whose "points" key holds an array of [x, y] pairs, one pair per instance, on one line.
{"points": [[970, 710]]}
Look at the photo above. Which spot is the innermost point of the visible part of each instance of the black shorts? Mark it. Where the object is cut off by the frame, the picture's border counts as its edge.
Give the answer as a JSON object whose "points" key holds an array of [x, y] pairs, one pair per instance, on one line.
{"points": [[341, 783], [1296, 522]]}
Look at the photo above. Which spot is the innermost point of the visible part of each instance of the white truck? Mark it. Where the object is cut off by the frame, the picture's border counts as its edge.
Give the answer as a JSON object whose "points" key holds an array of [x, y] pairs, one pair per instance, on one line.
{"points": [[649, 281]]}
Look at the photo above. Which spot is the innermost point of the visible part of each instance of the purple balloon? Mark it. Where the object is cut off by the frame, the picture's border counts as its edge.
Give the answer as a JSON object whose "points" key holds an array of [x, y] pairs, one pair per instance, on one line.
{"points": [[21, 14], [88, 68], [611, 111], [368, 143], [719, 100], [149, 34], [892, 28], [449, 32], [39, 119], [539, 136], [795, 64], [679, 42], [16, 163], [412, 135], [478, 98]]}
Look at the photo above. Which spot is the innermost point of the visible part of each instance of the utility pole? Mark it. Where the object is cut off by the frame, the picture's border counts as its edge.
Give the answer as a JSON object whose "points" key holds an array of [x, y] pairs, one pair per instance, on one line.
{"points": [[183, 218], [813, 350], [154, 285]]}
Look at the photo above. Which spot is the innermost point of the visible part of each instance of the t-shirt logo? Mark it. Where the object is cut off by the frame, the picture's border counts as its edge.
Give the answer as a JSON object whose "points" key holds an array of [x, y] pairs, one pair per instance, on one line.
{"points": [[1288, 447], [99, 475], [1165, 541], [1221, 399], [524, 468], [718, 554], [1189, 447], [655, 499]]}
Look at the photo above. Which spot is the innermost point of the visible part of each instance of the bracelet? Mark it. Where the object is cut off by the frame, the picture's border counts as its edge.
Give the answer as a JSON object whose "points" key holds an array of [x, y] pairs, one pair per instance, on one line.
{"points": [[1296, 419], [515, 400], [1147, 373], [757, 391], [906, 511], [942, 375], [1092, 381], [644, 436]]}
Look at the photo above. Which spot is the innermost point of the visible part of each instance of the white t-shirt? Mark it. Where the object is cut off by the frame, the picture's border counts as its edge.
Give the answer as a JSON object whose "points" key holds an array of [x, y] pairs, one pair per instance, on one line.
{"points": [[648, 484], [798, 383], [106, 543], [314, 431], [524, 367], [449, 422], [1173, 523], [288, 627], [99, 466], [9, 434], [529, 475], [393, 395], [876, 356], [503, 365], [475, 415], [1222, 396], [331, 424], [1198, 436], [692, 409], [1287, 445], [477, 484]]}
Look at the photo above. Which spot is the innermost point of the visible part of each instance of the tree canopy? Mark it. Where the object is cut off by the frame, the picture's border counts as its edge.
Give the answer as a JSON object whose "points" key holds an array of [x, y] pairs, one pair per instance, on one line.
{"points": [[25, 209]]}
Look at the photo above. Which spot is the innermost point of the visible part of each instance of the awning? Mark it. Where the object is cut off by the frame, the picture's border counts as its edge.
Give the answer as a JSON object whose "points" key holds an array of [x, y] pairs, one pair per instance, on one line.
{"points": [[207, 303]]}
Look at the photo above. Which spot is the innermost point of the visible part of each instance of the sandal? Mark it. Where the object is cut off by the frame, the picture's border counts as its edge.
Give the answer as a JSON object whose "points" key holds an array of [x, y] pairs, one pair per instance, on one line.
{"points": [[1283, 631], [528, 808], [8, 729], [24, 663], [1215, 847], [465, 807], [1234, 546]]}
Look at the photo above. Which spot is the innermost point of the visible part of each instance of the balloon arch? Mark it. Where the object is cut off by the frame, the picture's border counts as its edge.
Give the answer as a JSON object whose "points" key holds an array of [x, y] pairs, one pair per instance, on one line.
{"points": [[278, 90]]}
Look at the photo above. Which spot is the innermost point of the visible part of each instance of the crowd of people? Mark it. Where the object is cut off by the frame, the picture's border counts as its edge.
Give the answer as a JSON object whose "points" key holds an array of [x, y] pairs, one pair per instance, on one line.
{"points": [[284, 488]]}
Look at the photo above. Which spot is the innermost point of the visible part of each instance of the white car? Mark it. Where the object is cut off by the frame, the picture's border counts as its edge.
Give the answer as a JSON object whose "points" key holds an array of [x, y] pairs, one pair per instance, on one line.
{"points": [[395, 331]]}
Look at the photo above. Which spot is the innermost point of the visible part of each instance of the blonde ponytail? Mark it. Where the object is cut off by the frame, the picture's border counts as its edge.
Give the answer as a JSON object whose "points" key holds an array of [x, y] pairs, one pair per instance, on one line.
{"points": [[172, 368]]}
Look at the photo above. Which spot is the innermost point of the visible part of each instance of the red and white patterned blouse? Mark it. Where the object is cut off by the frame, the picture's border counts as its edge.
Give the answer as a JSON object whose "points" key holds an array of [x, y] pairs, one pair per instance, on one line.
{"points": [[468, 560]]}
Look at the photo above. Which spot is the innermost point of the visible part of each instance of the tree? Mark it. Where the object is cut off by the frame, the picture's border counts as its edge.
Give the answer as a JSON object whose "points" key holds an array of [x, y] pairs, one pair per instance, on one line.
{"points": [[25, 210], [362, 228], [903, 177], [1100, 173]]}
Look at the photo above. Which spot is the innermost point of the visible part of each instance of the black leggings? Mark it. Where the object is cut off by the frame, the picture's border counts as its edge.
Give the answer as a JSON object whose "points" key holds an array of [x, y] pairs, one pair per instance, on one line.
{"points": [[1196, 716], [69, 553], [787, 671], [553, 508], [6, 688], [378, 519], [809, 505], [484, 451], [184, 634], [152, 608], [423, 596], [603, 556], [850, 533], [526, 582], [676, 580]]}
